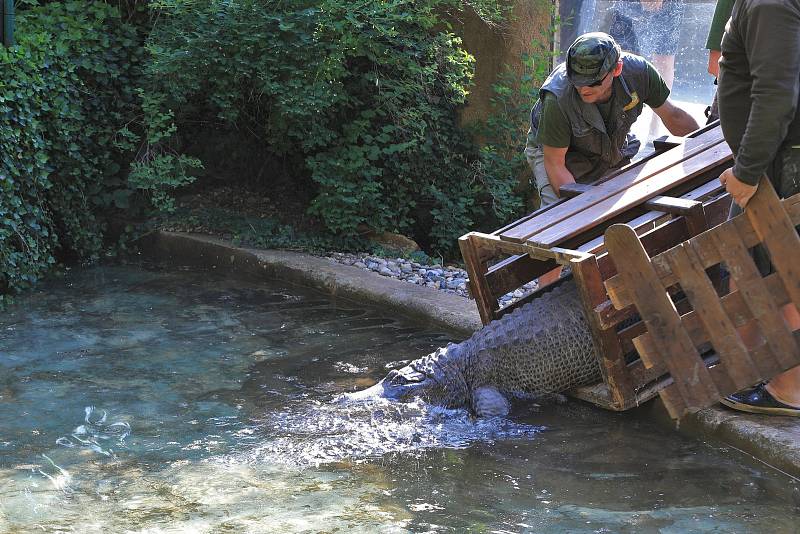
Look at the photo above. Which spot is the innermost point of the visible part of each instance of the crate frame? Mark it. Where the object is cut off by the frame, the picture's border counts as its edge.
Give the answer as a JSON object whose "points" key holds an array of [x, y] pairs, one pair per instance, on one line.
{"points": [[496, 266]]}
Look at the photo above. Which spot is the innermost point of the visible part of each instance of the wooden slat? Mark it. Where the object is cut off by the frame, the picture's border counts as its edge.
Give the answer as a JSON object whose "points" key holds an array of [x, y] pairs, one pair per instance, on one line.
{"points": [[757, 297], [663, 322], [660, 164], [648, 351], [639, 192], [673, 205], [704, 244], [476, 270], [668, 141], [740, 315], [673, 402], [606, 342], [515, 272], [573, 190], [776, 231], [741, 371]]}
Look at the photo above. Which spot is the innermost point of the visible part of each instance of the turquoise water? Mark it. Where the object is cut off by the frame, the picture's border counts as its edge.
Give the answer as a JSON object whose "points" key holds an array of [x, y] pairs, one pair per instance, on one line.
{"points": [[143, 401]]}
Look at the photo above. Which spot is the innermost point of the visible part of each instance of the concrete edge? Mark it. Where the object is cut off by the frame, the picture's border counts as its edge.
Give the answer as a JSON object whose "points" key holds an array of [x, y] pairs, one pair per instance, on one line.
{"points": [[772, 440], [769, 439], [419, 303]]}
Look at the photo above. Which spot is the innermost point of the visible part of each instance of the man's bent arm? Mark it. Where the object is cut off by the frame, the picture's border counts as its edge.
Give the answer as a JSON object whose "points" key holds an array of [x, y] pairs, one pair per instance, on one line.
{"points": [[677, 121], [555, 165]]}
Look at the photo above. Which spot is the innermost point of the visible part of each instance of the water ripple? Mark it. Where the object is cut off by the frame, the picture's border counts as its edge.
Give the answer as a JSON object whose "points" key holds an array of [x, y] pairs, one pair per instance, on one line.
{"points": [[97, 430]]}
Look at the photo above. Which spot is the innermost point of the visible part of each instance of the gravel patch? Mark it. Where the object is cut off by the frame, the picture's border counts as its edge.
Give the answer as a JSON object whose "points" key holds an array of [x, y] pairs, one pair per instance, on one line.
{"points": [[441, 278]]}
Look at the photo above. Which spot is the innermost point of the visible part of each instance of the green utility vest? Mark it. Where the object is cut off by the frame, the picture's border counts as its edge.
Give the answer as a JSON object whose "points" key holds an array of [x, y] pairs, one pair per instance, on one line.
{"points": [[593, 150]]}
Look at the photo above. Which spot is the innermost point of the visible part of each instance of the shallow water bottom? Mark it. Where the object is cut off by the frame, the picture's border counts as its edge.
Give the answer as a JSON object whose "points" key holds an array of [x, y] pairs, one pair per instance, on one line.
{"points": [[135, 400]]}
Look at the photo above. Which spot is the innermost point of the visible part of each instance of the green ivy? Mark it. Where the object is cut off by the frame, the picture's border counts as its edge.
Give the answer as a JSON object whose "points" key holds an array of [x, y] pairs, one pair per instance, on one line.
{"points": [[65, 93], [358, 98]]}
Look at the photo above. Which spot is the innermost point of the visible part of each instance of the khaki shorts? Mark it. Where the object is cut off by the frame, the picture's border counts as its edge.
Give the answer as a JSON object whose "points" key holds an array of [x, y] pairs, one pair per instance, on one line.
{"points": [[535, 157]]}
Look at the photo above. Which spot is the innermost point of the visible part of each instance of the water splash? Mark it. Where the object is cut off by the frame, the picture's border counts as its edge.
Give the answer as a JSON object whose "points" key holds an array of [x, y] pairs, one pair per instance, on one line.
{"points": [[323, 432]]}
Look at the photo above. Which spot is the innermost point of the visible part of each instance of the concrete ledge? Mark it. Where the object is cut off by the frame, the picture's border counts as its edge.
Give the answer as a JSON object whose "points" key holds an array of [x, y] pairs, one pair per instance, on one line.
{"points": [[773, 440], [419, 303]]}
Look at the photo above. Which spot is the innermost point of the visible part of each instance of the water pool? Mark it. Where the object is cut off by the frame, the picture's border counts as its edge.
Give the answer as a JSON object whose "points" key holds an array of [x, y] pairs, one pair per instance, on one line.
{"points": [[136, 400]]}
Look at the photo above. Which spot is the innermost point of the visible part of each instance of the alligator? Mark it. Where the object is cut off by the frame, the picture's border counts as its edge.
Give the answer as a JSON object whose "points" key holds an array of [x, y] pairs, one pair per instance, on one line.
{"points": [[538, 350]]}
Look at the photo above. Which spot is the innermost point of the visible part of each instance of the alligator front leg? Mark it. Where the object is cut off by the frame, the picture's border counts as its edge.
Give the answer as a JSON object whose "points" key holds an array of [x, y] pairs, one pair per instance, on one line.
{"points": [[489, 402]]}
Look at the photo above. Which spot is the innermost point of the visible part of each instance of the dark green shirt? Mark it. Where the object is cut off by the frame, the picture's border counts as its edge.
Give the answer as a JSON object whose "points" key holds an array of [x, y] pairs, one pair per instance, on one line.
{"points": [[555, 130], [759, 83], [722, 12]]}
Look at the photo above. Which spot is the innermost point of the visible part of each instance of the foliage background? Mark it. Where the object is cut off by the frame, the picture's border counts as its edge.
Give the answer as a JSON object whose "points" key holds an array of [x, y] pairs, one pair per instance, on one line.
{"points": [[344, 111], [65, 92]]}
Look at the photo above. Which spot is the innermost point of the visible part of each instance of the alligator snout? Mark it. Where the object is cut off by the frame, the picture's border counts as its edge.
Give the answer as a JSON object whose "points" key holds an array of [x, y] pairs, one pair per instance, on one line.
{"points": [[404, 383], [399, 384]]}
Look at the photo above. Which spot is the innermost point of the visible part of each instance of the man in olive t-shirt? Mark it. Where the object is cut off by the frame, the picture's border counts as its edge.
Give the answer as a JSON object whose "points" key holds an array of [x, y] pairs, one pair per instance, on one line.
{"points": [[580, 126], [554, 127]]}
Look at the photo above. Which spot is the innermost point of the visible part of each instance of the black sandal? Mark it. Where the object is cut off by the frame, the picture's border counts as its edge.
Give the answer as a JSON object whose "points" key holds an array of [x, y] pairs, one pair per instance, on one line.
{"points": [[758, 400]]}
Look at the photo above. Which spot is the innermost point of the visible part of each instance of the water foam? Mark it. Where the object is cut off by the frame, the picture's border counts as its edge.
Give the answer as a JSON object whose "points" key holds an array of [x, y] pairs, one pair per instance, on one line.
{"points": [[317, 432]]}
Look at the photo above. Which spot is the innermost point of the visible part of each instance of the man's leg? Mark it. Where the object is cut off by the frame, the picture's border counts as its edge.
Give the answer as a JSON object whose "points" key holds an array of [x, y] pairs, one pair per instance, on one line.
{"points": [[535, 157], [786, 386], [665, 65]]}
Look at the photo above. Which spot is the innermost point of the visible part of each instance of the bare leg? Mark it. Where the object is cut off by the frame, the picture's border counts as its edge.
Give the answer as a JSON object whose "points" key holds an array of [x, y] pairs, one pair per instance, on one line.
{"points": [[665, 65], [786, 386]]}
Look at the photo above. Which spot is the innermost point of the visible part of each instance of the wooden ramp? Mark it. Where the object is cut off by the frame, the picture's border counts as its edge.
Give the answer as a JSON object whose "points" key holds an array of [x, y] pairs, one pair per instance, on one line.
{"points": [[699, 344]]}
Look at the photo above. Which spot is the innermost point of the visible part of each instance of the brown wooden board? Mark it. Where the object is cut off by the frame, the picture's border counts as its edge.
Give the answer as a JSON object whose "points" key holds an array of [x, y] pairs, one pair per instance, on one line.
{"points": [[635, 195], [606, 341], [718, 325], [476, 270], [775, 229], [659, 314], [662, 163]]}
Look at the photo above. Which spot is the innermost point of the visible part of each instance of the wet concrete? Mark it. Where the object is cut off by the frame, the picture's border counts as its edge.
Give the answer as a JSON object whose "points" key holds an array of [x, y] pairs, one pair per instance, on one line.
{"points": [[772, 440]]}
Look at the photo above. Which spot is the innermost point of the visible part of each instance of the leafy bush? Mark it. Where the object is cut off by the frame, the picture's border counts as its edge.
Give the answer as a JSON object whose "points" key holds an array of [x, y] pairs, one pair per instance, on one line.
{"points": [[66, 91], [359, 97]]}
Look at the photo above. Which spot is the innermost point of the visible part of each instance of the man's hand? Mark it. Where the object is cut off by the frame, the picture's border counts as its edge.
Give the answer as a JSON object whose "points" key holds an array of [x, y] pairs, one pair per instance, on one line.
{"points": [[713, 62], [740, 191]]}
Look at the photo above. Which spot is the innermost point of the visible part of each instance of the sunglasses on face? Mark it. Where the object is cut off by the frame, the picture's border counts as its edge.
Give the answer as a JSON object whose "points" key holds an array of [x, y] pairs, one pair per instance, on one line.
{"points": [[599, 82]]}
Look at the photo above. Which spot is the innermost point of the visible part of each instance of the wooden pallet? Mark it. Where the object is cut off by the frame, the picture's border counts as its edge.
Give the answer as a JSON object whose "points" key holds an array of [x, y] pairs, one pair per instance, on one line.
{"points": [[677, 339], [666, 198]]}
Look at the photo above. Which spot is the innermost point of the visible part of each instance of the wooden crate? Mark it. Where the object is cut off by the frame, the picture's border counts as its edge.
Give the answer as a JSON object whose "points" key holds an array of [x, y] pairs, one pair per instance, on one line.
{"points": [[665, 198], [697, 348]]}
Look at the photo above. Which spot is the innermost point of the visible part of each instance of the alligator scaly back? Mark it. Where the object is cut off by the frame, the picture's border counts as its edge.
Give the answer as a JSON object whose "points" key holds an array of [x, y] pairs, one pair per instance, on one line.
{"points": [[541, 348]]}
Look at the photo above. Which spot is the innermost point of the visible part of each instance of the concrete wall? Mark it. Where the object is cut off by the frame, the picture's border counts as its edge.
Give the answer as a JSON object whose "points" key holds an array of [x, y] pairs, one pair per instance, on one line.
{"points": [[495, 46]]}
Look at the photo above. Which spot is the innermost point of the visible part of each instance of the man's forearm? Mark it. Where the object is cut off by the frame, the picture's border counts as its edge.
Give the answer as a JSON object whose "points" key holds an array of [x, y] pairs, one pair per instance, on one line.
{"points": [[680, 123], [558, 175]]}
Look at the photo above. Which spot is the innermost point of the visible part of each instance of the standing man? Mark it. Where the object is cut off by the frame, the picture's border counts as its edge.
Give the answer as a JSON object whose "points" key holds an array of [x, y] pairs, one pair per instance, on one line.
{"points": [[649, 28], [586, 107], [758, 97]]}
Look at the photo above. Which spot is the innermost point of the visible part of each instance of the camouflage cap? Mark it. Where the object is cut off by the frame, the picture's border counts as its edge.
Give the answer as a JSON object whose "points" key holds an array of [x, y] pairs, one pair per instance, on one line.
{"points": [[591, 57]]}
